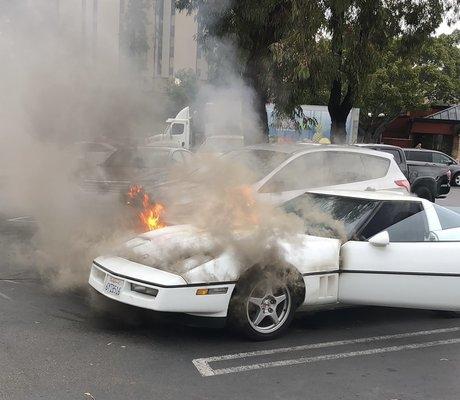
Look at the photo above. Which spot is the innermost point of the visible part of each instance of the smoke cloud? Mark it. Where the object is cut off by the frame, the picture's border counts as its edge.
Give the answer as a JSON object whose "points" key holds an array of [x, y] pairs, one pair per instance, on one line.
{"points": [[54, 94]]}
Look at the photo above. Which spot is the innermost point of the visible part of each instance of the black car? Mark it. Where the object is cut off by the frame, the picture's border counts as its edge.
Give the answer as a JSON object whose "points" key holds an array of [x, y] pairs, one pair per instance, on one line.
{"points": [[428, 182], [437, 159]]}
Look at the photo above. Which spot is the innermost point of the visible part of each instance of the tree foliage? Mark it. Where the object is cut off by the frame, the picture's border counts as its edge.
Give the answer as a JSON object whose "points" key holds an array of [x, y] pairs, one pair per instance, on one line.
{"points": [[431, 75], [295, 52], [181, 90]]}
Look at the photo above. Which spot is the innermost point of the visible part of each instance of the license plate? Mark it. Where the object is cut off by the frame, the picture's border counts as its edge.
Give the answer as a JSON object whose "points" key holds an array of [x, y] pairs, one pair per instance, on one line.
{"points": [[113, 285]]}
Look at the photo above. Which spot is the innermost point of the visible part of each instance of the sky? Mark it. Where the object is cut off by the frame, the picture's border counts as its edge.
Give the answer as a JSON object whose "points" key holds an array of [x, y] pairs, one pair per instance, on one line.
{"points": [[444, 28]]}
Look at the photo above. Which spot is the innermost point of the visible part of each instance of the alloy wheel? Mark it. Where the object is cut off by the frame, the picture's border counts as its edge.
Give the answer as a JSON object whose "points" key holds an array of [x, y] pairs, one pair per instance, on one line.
{"points": [[268, 307]]}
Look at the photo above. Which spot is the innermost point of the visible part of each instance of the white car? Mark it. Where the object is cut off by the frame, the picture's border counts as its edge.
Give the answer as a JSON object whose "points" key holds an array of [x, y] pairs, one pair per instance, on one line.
{"points": [[282, 171], [394, 251]]}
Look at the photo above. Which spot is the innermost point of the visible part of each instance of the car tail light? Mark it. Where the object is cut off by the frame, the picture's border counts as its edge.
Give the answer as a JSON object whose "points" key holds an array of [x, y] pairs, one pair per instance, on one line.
{"points": [[403, 183]]}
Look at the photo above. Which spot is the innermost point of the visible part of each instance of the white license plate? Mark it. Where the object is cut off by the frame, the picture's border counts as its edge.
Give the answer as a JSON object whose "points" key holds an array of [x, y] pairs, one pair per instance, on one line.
{"points": [[113, 285]]}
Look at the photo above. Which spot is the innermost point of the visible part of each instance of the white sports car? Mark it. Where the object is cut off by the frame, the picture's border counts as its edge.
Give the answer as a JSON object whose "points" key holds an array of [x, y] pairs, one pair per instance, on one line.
{"points": [[389, 250]]}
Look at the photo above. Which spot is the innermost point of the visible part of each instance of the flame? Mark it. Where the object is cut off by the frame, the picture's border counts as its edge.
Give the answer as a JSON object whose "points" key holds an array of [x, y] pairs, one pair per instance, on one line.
{"points": [[151, 213]]}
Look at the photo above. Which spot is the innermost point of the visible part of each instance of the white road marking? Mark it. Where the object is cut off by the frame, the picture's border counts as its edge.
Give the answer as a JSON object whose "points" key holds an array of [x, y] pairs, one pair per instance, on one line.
{"points": [[202, 364], [10, 281], [5, 296]]}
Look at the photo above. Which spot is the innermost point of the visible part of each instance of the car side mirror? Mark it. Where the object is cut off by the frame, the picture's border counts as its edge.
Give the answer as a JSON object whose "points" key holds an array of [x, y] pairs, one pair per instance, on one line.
{"points": [[381, 239]]}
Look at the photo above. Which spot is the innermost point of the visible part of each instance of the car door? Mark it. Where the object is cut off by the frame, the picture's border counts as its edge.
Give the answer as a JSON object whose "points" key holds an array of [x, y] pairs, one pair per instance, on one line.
{"points": [[422, 160], [397, 260]]}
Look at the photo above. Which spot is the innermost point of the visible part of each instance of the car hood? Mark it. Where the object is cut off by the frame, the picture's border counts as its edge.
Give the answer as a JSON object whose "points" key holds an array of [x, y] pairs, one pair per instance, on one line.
{"points": [[196, 257]]}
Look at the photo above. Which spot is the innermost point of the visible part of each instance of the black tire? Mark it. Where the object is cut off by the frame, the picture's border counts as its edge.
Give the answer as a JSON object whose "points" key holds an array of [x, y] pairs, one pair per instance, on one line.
{"points": [[456, 179], [424, 193], [278, 294]]}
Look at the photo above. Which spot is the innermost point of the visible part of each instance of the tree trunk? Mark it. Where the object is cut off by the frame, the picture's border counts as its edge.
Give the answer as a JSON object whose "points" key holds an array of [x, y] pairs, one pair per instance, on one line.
{"points": [[260, 101], [338, 131]]}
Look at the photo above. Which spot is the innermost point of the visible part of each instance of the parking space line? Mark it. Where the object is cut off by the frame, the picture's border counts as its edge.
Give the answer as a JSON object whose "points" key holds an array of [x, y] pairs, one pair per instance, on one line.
{"points": [[206, 370], [5, 296], [202, 364]]}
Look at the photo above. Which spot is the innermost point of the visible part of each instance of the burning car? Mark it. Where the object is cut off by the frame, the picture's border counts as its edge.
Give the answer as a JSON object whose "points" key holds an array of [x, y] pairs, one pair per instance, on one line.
{"points": [[364, 254]]}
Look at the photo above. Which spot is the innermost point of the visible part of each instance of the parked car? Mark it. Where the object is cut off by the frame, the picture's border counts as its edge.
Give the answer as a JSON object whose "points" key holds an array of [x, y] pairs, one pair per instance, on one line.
{"points": [[278, 172], [438, 159], [138, 165], [373, 264], [429, 183]]}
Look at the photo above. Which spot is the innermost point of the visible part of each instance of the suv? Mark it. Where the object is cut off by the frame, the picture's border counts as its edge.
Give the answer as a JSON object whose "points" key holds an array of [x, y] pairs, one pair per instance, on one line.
{"points": [[438, 159], [428, 183]]}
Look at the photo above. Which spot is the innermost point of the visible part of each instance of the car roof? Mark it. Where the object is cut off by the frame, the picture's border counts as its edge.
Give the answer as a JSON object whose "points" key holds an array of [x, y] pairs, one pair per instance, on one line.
{"points": [[380, 145], [368, 194], [421, 150], [294, 148]]}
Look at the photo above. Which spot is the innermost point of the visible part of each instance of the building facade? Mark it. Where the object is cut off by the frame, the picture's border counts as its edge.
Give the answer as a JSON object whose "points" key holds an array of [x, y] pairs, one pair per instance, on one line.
{"points": [[150, 35], [159, 39], [437, 128]]}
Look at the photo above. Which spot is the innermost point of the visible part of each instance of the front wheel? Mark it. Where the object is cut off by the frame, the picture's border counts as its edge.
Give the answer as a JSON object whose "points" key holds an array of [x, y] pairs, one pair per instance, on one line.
{"points": [[424, 193], [456, 179], [263, 307]]}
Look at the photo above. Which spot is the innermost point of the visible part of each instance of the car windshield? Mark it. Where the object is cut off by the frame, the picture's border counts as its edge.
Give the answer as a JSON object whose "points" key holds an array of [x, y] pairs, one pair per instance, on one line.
{"points": [[331, 216], [259, 162]]}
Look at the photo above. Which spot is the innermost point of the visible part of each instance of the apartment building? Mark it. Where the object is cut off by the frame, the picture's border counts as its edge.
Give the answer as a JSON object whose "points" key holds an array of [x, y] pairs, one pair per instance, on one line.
{"points": [[149, 34]]}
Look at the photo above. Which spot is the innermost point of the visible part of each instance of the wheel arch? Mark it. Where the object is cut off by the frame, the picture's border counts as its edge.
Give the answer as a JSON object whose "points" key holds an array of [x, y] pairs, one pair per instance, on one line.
{"points": [[294, 278]]}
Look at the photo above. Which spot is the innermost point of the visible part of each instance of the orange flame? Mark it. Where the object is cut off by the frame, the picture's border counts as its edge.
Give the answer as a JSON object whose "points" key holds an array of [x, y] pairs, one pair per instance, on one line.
{"points": [[150, 215]]}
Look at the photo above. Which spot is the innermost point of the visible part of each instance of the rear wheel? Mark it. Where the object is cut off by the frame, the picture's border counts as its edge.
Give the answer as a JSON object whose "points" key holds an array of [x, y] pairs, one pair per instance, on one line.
{"points": [[424, 193], [263, 305]]}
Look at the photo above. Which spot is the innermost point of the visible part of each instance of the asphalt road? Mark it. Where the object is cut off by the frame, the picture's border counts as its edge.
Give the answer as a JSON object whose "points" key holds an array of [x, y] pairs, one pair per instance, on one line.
{"points": [[55, 346]]}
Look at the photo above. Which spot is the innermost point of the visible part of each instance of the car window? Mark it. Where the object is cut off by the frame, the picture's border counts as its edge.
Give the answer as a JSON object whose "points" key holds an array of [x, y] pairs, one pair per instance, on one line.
{"points": [[346, 167], [177, 129], [395, 153], [326, 168], [405, 221], [425, 156], [441, 159], [259, 162], [449, 219], [305, 171], [331, 216]]}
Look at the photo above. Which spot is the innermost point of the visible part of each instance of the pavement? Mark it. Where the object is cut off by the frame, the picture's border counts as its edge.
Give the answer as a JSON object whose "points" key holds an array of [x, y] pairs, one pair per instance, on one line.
{"points": [[58, 346]]}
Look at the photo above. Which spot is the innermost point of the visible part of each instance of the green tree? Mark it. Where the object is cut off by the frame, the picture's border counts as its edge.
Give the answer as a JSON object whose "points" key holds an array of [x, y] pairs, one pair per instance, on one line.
{"points": [[429, 76], [249, 28], [298, 51], [181, 90], [350, 42]]}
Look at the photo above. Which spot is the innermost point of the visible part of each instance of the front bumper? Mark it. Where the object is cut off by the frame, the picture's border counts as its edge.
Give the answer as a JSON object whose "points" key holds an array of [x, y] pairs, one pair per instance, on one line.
{"points": [[174, 294]]}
